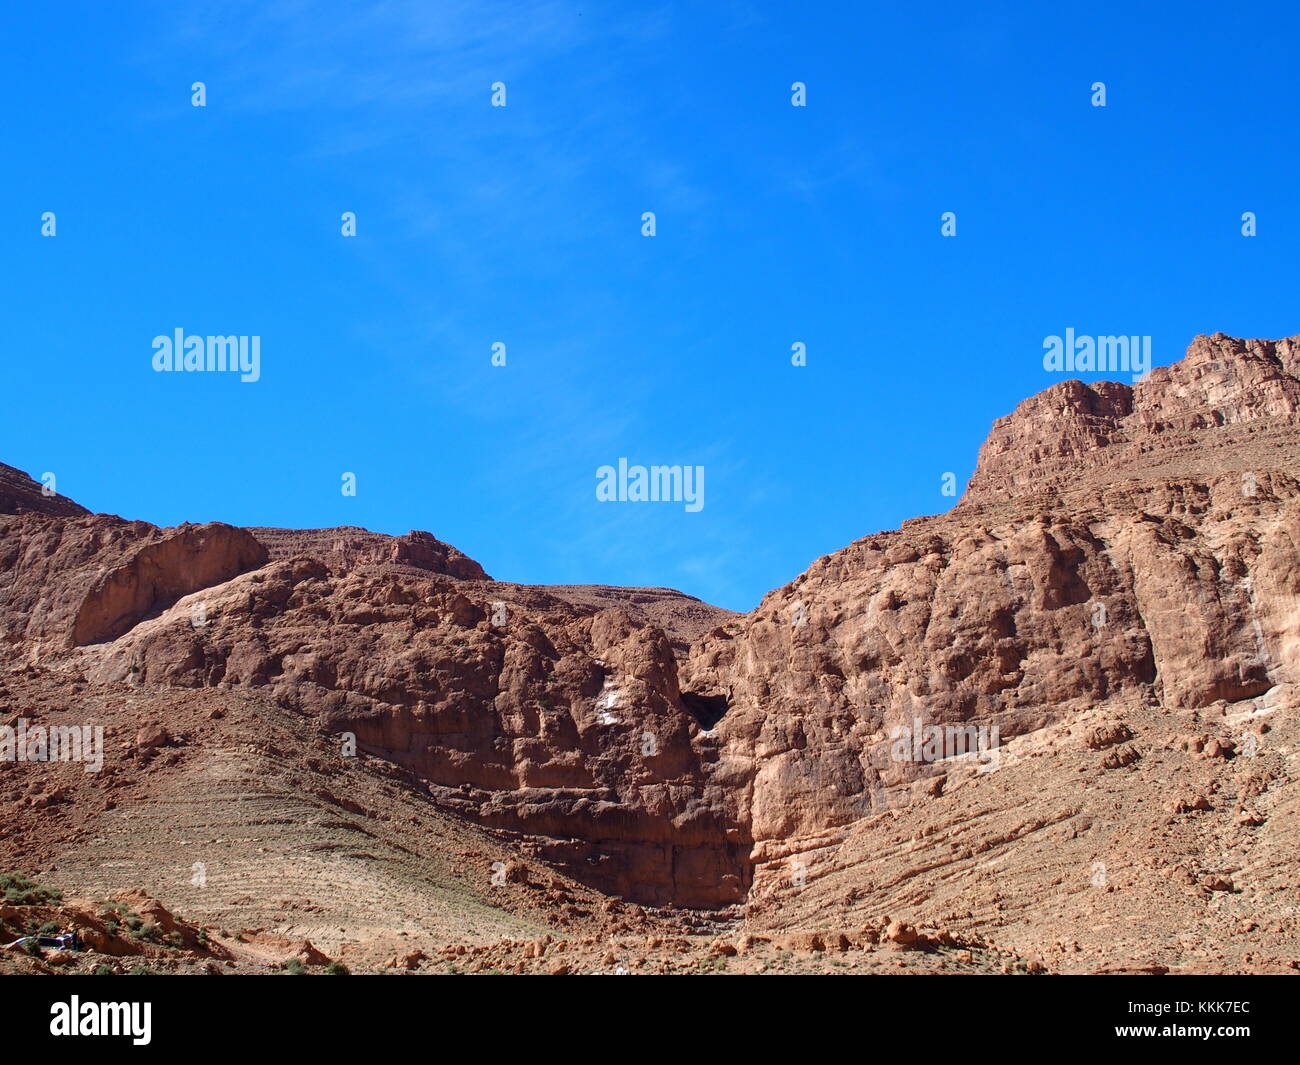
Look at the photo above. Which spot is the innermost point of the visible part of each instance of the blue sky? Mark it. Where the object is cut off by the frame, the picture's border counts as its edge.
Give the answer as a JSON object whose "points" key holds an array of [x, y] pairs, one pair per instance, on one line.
{"points": [[522, 224]]}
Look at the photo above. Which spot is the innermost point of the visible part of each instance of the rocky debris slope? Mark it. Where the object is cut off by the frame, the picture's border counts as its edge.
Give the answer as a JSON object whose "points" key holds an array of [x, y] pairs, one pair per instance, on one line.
{"points": [[246, 817], [570, 729], [1147, 839], [129, 925], [883, 946], [132, 933]]}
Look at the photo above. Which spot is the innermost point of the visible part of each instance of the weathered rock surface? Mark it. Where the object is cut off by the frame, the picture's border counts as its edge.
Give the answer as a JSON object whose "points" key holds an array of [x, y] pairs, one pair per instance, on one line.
{"points": [[556, 716], [1228, 407], [568, 728], [347, 548], [83, 580], [1110, 617], [1135, 546], [19, 494]]}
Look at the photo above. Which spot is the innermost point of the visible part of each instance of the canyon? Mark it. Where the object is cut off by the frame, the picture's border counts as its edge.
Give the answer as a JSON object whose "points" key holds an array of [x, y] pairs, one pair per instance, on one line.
{"points": [[365, 741]]}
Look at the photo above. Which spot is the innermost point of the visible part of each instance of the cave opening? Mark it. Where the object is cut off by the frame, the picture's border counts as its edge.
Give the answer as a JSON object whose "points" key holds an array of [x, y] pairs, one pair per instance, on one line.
{"points": [[706, 709]]}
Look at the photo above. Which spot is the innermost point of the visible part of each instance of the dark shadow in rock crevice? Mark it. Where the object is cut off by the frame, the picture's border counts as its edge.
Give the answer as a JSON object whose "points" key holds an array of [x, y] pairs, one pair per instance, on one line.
{"points": [[708, 710]]}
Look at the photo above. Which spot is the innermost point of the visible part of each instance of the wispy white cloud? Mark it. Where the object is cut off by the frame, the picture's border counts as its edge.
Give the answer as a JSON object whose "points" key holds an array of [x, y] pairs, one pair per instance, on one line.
{"points": [[289, 54]]}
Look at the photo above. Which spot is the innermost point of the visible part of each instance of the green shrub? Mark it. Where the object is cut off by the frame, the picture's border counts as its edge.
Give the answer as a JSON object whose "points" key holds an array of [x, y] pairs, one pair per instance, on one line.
{"points": [[146, 933], [337, 968], [293, 967], [19, 890]]}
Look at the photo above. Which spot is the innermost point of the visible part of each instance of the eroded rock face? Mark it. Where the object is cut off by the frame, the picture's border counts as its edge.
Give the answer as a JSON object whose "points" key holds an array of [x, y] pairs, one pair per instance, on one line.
{"points": [[1135, 549], [1228, 406], [345, 549], [67, 582], [567, 728], [554, 716], [1135, 546], [190, 558]]}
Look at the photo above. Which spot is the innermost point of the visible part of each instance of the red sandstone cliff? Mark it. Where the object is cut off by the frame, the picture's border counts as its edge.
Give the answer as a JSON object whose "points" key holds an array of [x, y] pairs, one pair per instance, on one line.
{"points": [[1119, 587]]}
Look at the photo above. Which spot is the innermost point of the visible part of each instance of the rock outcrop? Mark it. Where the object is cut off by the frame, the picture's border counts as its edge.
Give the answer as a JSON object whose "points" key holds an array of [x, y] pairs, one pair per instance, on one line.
{"points": [[1128, 546], [568, 729], [68, 582], [1228, 407], [19, 494], [348, 548]]}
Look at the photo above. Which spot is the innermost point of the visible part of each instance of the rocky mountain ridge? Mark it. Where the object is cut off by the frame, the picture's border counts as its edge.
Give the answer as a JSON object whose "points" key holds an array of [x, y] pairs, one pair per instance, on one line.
{"points": [[1117, 593]]}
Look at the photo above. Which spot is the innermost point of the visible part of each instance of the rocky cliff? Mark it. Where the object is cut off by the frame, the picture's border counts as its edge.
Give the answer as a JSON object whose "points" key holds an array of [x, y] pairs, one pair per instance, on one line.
{"points": [[1122, 548], [1117, 594]]}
